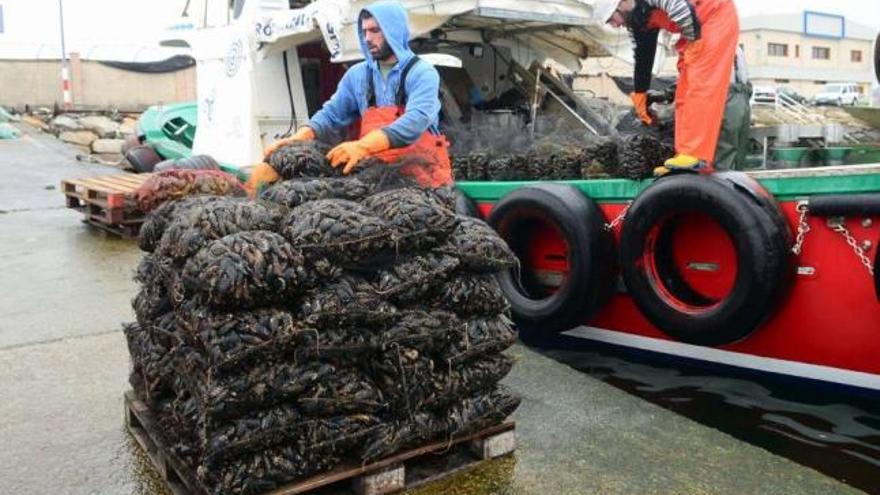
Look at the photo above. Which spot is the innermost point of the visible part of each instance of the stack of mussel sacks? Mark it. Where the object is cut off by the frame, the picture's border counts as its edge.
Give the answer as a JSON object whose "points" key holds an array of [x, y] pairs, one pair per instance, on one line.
{"points": [[334, 320]]}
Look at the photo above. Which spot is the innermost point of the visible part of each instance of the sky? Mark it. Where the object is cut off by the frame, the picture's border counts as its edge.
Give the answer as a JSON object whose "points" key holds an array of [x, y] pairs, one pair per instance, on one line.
{"points": [[131, 21]]}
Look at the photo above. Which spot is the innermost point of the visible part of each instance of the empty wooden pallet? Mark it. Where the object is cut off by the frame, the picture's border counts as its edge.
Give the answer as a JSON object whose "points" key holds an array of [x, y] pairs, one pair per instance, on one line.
{"points": [[401, 471], [107, 201]]}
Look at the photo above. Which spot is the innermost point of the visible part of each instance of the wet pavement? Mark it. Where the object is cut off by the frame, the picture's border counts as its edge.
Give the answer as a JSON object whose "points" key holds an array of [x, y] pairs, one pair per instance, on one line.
{"points": [[63, 368]]}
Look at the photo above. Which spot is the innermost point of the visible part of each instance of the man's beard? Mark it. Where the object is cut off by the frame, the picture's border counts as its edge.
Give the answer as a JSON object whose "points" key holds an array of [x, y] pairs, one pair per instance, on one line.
{"points": [[385, 52]]}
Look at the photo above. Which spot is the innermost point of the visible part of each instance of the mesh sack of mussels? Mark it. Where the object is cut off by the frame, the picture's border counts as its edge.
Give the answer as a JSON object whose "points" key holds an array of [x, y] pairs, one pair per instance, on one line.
{"points": [[305, 159], [414, 278], [401, 376], [630, 156], [175, 184], [193, 229], [231, 340], [419, 218], [250, 269], [349, 302], [477, 247], [152, 352], [335, 320], [344, 231], [464, 417], [293, 193], [156, 279], [472, 295], [218, 437], [315, 449], [157, 220]]}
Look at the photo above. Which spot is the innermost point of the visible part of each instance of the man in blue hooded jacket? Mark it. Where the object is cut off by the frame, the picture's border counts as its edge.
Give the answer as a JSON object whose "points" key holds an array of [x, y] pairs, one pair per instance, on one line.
{"points": [[392, 96]]}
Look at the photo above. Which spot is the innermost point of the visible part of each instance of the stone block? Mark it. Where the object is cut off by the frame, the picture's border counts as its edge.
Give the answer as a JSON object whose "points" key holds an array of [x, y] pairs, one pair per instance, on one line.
{"points": [[104, 127], [80, 138], [107, 146]]}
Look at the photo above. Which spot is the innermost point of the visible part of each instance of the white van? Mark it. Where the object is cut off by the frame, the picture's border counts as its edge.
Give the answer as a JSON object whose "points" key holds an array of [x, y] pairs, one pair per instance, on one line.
{"points": [[839, 94]]}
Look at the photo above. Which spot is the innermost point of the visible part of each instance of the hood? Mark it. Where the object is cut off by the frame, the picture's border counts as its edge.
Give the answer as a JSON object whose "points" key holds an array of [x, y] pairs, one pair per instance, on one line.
{"points": [[392, 18], [603, 10]]}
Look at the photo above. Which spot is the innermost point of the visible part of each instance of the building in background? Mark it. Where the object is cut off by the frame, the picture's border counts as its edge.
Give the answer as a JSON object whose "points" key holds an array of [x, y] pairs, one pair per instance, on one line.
{"points": [[105, 73], [807, 50]]}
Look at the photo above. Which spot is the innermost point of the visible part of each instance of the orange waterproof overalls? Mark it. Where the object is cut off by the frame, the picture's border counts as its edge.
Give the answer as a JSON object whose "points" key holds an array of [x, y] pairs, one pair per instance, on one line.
{"points": [[426, 160], [703, 81]]}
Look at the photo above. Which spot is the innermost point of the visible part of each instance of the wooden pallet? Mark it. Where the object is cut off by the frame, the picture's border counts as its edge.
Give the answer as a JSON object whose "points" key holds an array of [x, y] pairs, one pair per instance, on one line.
{"points": [[408, 469], [107, 201]]}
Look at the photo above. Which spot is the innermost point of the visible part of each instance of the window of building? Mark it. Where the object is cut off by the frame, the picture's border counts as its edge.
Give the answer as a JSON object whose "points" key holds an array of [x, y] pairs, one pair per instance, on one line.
{"points": [[821, 53], [782, 81], [820, 83], [797, 51], [855, 56], [777, 49], [1, 19]]}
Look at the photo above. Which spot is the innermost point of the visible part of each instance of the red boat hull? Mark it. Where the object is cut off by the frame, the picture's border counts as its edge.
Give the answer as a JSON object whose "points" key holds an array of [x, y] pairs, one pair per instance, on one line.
{"points": [[827, 327]]}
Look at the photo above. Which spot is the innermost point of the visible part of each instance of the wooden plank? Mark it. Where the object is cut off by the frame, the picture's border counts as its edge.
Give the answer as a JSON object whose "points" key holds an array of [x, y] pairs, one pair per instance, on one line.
{"points": [[130, 179], [125, 184], [130, 182], [105, 186], [114, 216], [72, 202], [73, 182]]}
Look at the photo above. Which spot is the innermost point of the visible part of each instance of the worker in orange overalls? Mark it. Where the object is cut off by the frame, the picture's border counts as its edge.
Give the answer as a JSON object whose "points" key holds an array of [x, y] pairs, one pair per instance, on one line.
{"points": [[391, 100], [709, 32]]}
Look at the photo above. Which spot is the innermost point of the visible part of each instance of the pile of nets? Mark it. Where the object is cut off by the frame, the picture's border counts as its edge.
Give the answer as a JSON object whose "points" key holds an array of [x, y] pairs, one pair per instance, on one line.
{"points": [[178, 183], [334, 320]]}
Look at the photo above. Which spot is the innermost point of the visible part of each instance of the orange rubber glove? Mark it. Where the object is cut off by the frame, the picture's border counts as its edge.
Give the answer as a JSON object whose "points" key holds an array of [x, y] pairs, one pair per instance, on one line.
{"points": [[262, 175], [692, 49], [640, 102], [303, 134], [352, 152]]}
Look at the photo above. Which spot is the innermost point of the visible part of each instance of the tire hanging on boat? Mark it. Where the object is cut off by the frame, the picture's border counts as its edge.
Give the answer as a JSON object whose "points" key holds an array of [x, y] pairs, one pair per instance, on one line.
{"points": [[753, 191], [651, 262], [588, 261]]}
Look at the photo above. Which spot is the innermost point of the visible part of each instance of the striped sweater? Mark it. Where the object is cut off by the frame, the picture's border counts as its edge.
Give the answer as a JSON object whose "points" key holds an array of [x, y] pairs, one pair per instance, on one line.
{"points": [[645, 37], [682, 13]]}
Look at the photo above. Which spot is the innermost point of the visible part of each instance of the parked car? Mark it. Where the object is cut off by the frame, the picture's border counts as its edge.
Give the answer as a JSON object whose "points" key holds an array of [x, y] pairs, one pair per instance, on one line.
{"points": [[839, 94], [763, 95]]}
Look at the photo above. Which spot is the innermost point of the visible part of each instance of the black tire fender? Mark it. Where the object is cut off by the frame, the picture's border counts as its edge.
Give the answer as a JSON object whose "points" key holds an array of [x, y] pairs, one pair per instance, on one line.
{"points": [[759, 234], [143, 158], [752, 190], [590, 255], [783, 235], [130, 142]]}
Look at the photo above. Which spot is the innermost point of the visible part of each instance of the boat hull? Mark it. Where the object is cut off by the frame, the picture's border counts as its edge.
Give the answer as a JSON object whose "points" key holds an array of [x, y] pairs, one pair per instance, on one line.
{"points": [[827, 327]]}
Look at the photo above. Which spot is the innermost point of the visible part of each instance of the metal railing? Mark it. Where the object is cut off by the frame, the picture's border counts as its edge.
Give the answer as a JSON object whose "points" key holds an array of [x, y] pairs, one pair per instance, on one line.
{"points": [[793, 111]]}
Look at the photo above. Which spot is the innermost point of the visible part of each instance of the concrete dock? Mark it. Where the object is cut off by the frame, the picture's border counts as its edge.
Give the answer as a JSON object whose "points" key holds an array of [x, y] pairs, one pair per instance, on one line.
{"points": [[64, 365]]}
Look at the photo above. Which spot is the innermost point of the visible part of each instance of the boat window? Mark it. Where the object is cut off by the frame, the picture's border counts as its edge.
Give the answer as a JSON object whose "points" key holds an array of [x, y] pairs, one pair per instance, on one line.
{"points": [[833, 88]]}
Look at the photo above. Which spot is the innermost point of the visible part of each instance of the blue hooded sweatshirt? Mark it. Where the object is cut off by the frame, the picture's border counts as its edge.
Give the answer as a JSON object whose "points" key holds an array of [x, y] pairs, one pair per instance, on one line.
{"points": [[350, 101]]}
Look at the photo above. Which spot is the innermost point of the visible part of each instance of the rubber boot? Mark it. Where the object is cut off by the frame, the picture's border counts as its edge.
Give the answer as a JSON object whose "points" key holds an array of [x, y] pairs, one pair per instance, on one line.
{"points": [[680, 163]]}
